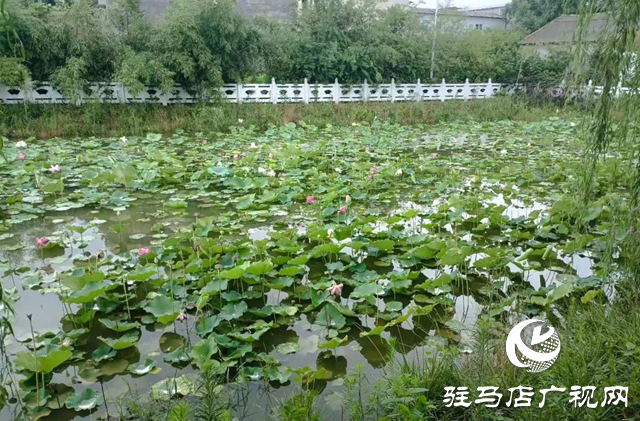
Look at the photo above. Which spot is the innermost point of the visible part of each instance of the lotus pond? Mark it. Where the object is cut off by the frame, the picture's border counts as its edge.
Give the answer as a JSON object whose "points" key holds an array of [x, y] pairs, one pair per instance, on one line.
{"points": [[280, 258]]}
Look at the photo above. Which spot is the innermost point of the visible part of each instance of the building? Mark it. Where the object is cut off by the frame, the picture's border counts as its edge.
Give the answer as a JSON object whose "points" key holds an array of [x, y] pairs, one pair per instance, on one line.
{"points": [[275, 9], [483, 19], [562, 33]]}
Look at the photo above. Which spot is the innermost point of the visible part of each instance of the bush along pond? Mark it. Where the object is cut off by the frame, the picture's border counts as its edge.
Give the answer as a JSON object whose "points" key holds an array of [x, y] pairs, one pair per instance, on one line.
{"points": [[130, 265]]}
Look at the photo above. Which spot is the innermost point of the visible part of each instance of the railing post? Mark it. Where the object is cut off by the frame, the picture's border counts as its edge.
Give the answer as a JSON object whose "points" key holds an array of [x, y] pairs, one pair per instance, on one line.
{"points": [[239, 93], [393, 90], [365, 91], [443, 90], [336, 92], [419, 91], [305, 91], [274, 91], [488, 91], [465, 92]]}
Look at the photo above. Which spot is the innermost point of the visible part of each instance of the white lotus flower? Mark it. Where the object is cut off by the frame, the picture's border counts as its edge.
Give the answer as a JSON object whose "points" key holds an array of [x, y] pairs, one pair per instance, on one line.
{"points": [[219, 164], [124, 139], [271, 173], [330, 232], [503, 152], [573, 124], [240, 121], [399, 172], [253, 145], [21, 144], [383, 282], [339, 170], [261, 170]]}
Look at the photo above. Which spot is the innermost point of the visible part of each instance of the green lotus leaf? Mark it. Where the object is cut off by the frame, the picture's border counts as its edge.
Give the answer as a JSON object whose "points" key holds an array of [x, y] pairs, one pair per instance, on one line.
{"points": [[333, 343], [288, 348], [143, 367], [233, 311], [330, 316], [177, 356], [366, 290], [119, 326], [202, 352], [142, 273], [173, 386], [105, 352], [42, 364], [125, 341], [164, 308], [88, 293], [86, 400]]}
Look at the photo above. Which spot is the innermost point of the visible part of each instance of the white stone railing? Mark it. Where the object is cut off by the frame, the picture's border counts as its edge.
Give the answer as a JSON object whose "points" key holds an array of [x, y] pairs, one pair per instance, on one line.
{"points": [[116, 93]]}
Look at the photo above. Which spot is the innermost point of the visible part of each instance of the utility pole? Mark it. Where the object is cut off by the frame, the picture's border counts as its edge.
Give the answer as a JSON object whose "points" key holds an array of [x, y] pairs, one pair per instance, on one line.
{"points": [[419, 3]]}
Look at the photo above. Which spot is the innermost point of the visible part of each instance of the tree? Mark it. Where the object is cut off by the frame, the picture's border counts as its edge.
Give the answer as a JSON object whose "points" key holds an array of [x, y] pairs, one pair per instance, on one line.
{"points": [[531, 15]]}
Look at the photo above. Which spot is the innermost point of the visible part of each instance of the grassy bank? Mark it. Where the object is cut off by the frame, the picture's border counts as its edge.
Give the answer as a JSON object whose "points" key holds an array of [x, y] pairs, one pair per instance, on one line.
{"points": [[47, 121]]}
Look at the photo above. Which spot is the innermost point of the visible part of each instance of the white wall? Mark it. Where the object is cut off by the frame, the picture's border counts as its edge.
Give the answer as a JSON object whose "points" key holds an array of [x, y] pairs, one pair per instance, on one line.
{"points": [[468, 21], [487, 23]]}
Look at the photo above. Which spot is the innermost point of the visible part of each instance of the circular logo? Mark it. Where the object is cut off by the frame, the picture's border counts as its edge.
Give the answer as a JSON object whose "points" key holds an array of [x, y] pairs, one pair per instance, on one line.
{"points": [[539, 353]]}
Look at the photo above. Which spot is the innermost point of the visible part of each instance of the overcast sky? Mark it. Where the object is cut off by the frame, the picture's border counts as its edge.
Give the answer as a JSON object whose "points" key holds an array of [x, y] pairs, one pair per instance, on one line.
{"points": [[470, 3]]}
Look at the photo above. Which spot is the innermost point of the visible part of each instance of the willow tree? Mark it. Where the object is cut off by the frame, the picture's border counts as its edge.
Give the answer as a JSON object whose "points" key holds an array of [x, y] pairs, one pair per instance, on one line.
{"points": [[612, 158], [615, 114]]}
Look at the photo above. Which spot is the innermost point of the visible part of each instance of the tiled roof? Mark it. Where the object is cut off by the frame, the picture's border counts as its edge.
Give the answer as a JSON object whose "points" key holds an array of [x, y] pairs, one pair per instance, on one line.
{"points": [[565, 30]]}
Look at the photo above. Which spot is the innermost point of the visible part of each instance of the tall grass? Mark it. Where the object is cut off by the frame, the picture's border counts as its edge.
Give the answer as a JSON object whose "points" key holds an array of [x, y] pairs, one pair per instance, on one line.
{"points": [[599, 348], [47, 121]]}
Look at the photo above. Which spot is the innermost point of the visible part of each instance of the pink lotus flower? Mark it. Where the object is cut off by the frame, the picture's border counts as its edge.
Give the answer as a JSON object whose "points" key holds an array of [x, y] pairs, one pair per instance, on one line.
{"points": [[367, 149], [143, 251], [311, 200], [373, 170], [204, 141], [370, 177], [347, 199], [42, 241], [181, 317], [434, 155], [335, 289], [342, 210], [22, 156], [357, 133], [270, 156], [54, 169], [235, 156]]}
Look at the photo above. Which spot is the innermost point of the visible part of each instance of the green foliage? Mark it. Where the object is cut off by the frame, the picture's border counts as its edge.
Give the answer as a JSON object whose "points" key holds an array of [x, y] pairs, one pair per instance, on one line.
{"points": [[72, 78], [299, 407], [548, 71], [531, 15], [139, 70], [204, 44], [596, 339], [46, 121], [13, 72]]}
